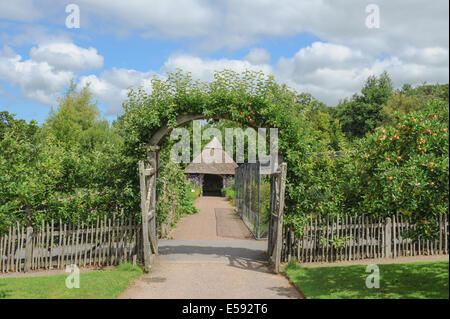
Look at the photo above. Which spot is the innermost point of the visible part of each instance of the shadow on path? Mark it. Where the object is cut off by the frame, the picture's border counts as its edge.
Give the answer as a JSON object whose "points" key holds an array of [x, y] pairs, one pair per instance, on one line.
{"points": [[239, 257]]}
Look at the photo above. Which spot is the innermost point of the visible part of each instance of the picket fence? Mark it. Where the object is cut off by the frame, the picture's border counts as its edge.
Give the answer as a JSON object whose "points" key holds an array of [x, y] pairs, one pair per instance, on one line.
{"points": [[54, 246], [360, 237]]}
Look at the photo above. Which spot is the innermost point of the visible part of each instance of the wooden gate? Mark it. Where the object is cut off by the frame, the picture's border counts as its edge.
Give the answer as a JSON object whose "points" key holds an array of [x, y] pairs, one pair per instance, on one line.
{"points": [[275, 241], [148, 172]]}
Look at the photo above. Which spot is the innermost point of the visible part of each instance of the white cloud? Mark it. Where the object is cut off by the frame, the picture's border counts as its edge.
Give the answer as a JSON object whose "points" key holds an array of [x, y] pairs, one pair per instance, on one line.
{"points": [[152, 18], [328, 71], [258, 56], [331, 72], [31, 34], [48, 71], [411, 44], [320, 56], [433, 56], [38, 81], [412, 22], [67, 56], [111, 87], [415, 73], [19, 10], [233, 23]]}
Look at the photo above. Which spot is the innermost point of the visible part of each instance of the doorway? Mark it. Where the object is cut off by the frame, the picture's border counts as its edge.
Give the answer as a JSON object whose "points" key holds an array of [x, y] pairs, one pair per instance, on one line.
{"points": [[212, 185]]}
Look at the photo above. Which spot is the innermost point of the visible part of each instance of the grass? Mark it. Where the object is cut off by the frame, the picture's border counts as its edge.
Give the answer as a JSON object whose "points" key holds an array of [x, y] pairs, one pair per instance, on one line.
{"points": [[427, 280], [101, 284]]}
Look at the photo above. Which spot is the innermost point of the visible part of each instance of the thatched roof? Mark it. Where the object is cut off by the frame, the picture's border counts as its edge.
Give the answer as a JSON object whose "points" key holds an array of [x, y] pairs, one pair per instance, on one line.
{"points": [[212, 160]]}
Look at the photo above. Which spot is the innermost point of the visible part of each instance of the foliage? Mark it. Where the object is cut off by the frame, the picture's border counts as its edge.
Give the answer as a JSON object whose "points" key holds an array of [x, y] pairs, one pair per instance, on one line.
{"points": [[406, 168], [229, 192], [401, 169], [77, 166], [250, 98], [330, 130], [409, 99], [95, 176], [323, 176], [362, 113], [75, 117], [73, 168], [70, 169], [29, 171], [264, 204], [194, 182], [174, 191]]}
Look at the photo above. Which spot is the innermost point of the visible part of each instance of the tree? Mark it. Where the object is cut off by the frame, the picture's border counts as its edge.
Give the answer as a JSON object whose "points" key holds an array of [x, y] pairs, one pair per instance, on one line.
{"points": [[75, 114], [399, 104], [405, 169], [8, 122], [29, 170], [327, 130], [410, 99], [376, 90], [362, 113], [71, 168]]}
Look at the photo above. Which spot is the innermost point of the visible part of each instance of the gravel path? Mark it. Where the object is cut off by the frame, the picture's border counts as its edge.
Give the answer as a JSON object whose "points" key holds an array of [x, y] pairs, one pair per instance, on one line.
{"points": [[216, 220], [212, 255]]}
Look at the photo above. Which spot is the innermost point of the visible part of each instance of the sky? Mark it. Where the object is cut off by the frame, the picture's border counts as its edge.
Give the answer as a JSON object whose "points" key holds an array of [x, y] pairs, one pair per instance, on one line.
{"points": [[325, 48]]}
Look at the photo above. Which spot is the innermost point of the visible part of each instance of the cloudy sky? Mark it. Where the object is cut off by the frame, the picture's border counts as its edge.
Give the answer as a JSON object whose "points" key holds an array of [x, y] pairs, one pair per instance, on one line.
{"points": [[326, 48]]}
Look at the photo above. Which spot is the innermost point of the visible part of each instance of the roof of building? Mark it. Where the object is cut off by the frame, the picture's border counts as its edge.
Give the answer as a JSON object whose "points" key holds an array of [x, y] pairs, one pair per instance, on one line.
{"points": [[212, 160]]}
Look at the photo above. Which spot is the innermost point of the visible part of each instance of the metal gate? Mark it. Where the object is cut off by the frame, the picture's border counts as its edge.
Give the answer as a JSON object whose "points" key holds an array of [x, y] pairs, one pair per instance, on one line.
{"points": [[248, 205], [247, 187]]}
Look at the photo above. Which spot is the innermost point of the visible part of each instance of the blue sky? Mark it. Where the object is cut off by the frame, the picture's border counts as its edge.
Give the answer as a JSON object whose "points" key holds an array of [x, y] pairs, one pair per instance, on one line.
{"points": [[325, 48]]}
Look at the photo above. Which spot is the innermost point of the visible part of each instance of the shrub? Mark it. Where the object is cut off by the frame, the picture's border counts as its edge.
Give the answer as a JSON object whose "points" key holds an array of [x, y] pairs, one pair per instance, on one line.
{"points": [[405, 169], [229, 193], [402, 169]]}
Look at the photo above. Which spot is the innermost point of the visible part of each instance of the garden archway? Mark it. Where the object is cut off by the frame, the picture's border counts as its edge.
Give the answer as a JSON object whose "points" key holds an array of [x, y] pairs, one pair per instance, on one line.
{"points": [[250, 98], [148, 173]]}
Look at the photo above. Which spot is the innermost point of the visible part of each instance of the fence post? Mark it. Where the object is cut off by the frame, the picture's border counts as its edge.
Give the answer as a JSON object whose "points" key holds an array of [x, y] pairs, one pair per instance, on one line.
{"points": [[28, 249], [280, 209], [388, 238]]}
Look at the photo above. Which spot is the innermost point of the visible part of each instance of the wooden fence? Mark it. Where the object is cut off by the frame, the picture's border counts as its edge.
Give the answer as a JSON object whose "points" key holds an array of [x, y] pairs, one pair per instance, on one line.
{"points": [[108, 242], [339, 239]]}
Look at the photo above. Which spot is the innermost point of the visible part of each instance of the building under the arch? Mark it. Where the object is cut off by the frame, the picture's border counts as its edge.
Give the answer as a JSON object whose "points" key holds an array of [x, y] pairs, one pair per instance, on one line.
{"points": [[213, 167]]}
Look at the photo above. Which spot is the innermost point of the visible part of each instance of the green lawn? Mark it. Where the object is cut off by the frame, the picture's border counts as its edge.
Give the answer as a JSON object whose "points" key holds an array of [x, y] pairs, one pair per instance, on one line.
{"points": [[101, 284], [408, 280]]}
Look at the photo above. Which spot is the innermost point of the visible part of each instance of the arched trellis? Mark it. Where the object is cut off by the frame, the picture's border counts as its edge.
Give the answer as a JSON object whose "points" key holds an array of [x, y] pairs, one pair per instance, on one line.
{"points": [[148, 174]]}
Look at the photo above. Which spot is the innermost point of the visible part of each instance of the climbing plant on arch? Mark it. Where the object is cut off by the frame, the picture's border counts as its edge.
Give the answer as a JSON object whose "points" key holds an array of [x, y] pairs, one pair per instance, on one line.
{"points": [[314, 184], [251, 98]]}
